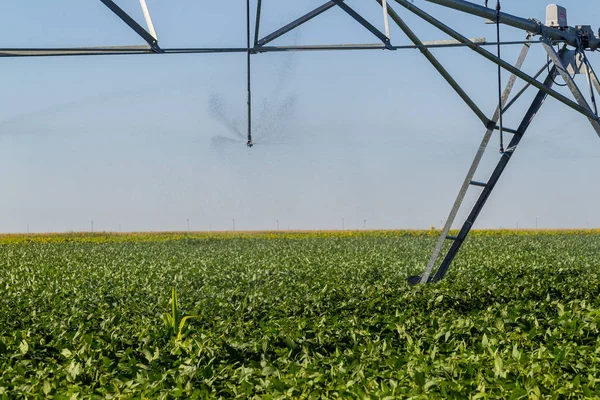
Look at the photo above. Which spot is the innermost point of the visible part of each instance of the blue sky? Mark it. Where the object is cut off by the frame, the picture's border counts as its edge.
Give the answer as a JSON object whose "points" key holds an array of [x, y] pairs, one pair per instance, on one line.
{"points": [[128, 141]]}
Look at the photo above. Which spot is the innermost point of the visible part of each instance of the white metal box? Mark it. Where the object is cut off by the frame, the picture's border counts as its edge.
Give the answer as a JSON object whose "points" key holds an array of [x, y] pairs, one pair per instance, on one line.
{"points": [[556, 16]]}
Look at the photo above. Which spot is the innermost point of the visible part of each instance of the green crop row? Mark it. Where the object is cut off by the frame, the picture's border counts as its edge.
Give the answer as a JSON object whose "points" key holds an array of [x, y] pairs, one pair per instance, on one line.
{"points": [[300, 316]]}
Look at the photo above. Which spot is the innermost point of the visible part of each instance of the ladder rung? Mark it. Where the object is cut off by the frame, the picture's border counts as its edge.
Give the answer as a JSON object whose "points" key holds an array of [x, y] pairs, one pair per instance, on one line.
{"points": [[480, 184], [451, 238], [507, 130]]}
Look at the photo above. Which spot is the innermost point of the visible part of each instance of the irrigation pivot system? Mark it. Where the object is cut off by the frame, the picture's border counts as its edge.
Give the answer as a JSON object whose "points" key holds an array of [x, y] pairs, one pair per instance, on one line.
{"points": [[566, 48]]}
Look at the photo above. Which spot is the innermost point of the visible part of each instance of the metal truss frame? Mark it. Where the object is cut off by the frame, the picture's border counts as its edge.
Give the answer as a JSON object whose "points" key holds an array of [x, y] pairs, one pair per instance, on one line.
{"points": [[580, 38]]}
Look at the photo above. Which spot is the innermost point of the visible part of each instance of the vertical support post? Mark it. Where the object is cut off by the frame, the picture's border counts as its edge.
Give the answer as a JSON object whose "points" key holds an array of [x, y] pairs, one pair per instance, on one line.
{"points": [[257, 26], [148, 19], [491, 184], [386, 19], [248, 77], [471, 174]]}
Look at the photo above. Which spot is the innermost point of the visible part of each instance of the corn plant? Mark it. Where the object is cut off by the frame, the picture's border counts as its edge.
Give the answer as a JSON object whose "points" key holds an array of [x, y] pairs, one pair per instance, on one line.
{"points": [[173, 321]]}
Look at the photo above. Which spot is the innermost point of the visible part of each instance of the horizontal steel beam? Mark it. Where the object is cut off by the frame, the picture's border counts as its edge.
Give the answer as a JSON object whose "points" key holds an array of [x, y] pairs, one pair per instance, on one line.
{"points": [[528, 25], [129, 50]]}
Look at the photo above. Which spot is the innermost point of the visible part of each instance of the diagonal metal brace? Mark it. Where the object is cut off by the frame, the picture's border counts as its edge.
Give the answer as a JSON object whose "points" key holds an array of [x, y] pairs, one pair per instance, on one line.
{"points": [[496, 60], [296, 23], [524, 89], [594, 78], [151, 40], [437, 65], [381, 36], [562, 70]]}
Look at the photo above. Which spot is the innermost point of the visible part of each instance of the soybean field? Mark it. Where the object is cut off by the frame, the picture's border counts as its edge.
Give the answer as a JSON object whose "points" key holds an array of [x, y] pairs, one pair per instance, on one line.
{"points": [[298, 315]]}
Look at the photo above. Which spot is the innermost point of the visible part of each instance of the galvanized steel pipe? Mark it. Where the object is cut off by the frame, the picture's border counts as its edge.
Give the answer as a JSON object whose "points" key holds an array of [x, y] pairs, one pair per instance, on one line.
{"points": [[517, 22]]}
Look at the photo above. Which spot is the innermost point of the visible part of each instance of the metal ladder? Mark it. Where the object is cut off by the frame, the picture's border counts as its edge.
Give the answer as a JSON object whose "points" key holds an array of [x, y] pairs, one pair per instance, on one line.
{"points": [[557, 60], [487, 187]]}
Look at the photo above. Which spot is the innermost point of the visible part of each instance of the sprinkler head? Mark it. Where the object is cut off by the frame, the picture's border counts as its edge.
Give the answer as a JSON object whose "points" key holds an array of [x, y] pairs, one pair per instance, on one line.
{"points": [[249, 143]]}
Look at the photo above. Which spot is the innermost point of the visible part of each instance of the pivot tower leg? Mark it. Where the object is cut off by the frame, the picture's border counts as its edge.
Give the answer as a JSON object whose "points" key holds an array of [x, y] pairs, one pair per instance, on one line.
{"points": [[489, 186], [471, 174]]}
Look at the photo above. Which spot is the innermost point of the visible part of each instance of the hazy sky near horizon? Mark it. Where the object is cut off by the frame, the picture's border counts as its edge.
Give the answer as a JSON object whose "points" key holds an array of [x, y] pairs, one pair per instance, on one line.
{"points": [[135, 142]]}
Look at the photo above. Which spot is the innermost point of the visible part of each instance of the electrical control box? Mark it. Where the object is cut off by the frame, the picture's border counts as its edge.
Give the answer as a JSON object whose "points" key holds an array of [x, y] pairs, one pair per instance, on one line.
{"points": [[556, 16]]}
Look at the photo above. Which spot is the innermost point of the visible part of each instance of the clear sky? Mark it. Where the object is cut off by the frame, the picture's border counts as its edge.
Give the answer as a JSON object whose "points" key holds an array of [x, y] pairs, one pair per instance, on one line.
{"points": [[136, 142]]}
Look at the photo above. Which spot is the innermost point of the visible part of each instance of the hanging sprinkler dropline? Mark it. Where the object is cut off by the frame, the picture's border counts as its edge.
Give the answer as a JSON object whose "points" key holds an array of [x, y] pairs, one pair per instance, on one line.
{"points": [[500, 105], [248, 55]]}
